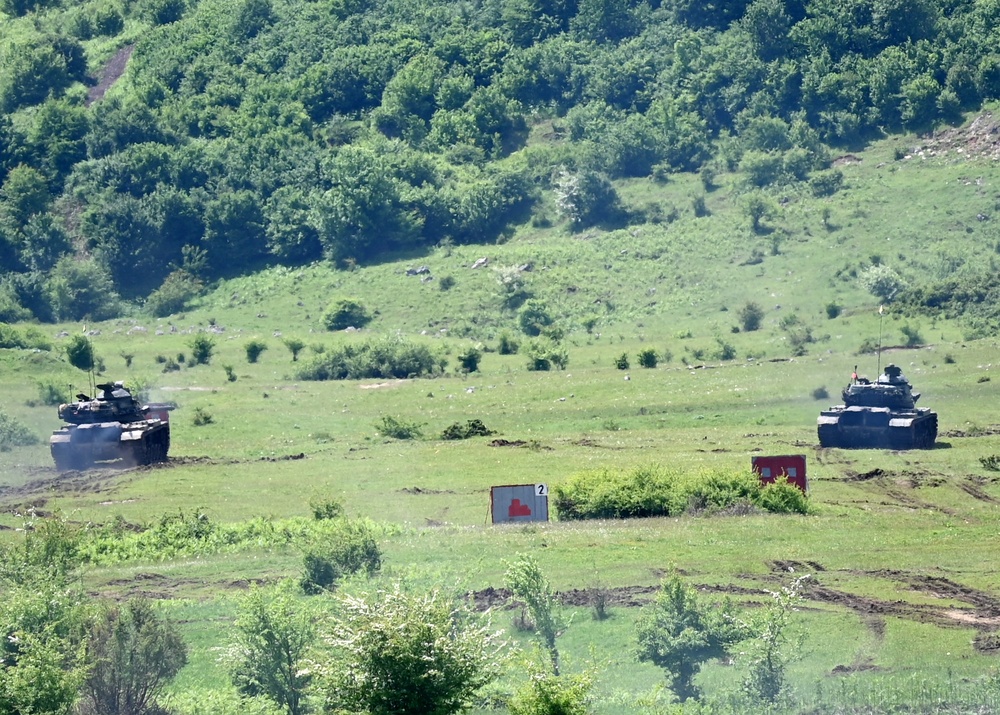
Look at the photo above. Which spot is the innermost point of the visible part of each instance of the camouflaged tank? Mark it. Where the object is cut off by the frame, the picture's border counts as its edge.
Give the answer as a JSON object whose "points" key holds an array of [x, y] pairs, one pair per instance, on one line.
{"points": [[111, 426], [879, 415]]}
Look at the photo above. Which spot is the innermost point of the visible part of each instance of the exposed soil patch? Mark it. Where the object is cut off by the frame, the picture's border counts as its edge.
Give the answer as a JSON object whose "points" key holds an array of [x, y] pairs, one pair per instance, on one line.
{"points": [[977, 432], [979, 140], [587, 442], [855, 668], [796, 567], [507, 443], [418, 490], [975, 491], [110, 74]]}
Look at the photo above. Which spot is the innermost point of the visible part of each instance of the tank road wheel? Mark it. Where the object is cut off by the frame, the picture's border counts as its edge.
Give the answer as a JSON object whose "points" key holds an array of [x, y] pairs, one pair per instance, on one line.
{"points": [[902, 438], [829, 436], [140, 453], [69, 460]]}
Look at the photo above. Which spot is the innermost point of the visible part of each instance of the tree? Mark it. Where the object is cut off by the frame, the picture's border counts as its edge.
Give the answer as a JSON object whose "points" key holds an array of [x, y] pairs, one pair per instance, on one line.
{"points": [[23, 195], [79, 289], [295, 346], [133, 654], [80, 353], [771, 646], [586, 198], [271, 639], [881, 281], [679, 633], [407, 654], [527, 582], [751, 315]]}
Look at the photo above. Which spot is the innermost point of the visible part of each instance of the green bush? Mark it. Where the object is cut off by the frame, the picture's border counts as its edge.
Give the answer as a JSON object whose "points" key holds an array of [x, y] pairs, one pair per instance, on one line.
{"points": [[26, 339], [545, 354], [652, 490], [751, 315], [254, 348], [201, 417], [621, 362], [52, 394], [179, 288], [468, 359], [783, 498], [14, 434], [534, 317], [202, 347], [346, 313], [325, 508], [389, 357], [398, 429], [472, 428], [648, 358], [506, 345], [347, 550]]}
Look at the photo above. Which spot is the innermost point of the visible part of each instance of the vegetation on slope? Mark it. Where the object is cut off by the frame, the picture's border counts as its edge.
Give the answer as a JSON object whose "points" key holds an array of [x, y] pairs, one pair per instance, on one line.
{"points": [[287, 131]]}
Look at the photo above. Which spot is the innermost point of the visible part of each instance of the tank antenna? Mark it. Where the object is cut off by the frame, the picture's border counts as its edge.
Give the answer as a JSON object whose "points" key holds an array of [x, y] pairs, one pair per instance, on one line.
{"points": [[881, 311]]}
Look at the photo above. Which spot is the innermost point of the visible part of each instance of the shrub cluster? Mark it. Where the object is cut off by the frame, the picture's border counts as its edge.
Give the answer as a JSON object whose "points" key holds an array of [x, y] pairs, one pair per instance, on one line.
{"points": [[472, 428], [26, 339], [349, 548], [653, 490], [14, 434], [389, 357]]}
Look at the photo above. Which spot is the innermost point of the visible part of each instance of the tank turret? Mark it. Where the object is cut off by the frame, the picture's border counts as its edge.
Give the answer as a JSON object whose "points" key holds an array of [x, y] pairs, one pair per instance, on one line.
{"points": [[880, 414], [111, 426]]}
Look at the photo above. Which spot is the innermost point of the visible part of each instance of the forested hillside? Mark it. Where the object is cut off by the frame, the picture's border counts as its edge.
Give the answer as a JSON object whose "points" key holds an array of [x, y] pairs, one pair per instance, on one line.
{"points": [[251, 132]]}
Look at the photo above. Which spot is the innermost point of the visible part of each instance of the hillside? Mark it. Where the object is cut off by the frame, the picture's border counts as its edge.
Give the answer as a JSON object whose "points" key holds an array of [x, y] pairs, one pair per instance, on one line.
{"points": [[150, 149]]}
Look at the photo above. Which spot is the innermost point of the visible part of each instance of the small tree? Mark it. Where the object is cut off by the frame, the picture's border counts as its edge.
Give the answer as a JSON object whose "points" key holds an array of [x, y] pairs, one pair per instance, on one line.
{"points": [[295, 346], [773, 645], [202, 347], [751, 316], [527, 582], [678, 633], [134, 655], [270, 641], [80, 353], [881, 281], [534, 317], [408, 654], [621, 362], [254, 348], [468, 360]]}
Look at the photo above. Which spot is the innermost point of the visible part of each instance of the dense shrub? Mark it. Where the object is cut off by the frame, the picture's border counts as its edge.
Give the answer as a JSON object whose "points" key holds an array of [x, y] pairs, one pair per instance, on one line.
{"points": [[472, 428], [653, 490], [389, 426], [23, 339], [545, 354], [346, 313], [347, 549], [254, 348], [468, 359], [648, 358], [389, 357], [14, 434], [202, 347], [751, 315], [179, 288]]}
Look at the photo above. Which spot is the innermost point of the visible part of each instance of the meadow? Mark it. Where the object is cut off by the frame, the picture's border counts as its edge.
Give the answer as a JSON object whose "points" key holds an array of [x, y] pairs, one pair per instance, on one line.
{"points": [[901, 607]]}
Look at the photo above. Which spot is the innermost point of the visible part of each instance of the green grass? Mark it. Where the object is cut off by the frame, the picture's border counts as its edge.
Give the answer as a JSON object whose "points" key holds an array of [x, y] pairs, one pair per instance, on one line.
{"points": [[274, 441]]}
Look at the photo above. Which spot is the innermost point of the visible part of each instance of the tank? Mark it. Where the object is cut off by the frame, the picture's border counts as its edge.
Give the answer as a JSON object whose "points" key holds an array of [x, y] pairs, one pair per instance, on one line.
{"points": [[878, 415], [111, 426]]}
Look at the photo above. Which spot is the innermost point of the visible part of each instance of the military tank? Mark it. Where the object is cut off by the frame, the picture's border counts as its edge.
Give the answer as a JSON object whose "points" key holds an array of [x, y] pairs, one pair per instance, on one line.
{"points": [[878, 415], [111, 426]]}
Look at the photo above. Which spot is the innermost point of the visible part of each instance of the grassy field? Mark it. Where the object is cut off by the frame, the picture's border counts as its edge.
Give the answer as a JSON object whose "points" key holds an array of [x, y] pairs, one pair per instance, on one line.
{"points": [[903, 597]]}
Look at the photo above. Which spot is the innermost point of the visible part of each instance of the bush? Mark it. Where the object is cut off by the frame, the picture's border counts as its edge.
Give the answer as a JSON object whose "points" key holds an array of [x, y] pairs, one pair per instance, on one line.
{"points": [[751, 316], [50, 394], [534, 317], [134, 654], [468, 359], [472, 428], [547, 694], [348, 550], [881, 281], [832, 310], [407, 654], [390, 357], [621, 362], [179, 288], [506, 345], [346, 313], [26, 339], [783, 498], [446, 283], [294, 346], [652, 490], [545, 354], [14, 434], [325, 508], [201, 417], [398, 429], [648, 358], [254, 348], [202, 347]]}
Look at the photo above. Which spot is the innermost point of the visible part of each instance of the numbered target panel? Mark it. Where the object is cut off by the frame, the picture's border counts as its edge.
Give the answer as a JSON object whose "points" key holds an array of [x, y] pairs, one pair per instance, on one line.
{"points": [[519, 502]]}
